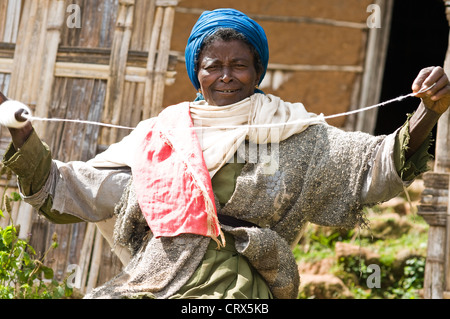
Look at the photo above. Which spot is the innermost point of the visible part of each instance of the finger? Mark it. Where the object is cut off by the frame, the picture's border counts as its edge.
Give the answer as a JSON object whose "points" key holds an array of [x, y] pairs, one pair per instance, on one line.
{"points": [[440, 84], [432, 89], [420, 79], [444, 91], [436, 77]]}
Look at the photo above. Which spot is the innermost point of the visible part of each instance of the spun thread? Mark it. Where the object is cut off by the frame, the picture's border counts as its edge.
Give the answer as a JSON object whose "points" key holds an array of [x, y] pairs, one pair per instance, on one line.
{"points": [[5, 116]]}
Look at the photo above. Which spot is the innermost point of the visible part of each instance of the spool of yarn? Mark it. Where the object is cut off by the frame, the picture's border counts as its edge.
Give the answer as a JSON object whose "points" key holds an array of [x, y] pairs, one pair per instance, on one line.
{"points": [[10, 112]]}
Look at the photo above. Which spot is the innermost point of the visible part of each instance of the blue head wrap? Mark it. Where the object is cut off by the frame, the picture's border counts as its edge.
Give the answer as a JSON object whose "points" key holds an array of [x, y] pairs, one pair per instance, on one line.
{"points": [[209, 22]]}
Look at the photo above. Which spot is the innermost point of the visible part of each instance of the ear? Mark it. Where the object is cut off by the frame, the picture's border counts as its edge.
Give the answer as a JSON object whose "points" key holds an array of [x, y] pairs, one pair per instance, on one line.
{"points": [[258, 79]]}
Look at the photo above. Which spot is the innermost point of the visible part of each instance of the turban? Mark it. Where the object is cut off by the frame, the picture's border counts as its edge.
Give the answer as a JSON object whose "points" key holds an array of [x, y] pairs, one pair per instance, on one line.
{"points": [[209, 22]]}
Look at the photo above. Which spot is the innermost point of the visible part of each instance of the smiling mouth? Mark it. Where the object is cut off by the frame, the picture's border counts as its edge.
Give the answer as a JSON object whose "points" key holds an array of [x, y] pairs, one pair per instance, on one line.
{"points": [[227, 91]]}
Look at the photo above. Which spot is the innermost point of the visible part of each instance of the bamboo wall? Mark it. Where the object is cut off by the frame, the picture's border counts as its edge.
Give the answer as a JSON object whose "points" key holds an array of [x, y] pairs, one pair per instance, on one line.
{"points": [[112, 67]]}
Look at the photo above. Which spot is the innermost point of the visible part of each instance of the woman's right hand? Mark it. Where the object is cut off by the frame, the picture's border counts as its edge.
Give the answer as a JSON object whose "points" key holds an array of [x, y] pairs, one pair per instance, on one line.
{"points": [[18, 135]]}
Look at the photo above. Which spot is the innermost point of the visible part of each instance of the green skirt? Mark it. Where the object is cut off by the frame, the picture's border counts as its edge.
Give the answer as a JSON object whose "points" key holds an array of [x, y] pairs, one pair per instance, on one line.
{"points": [[224, 274]]}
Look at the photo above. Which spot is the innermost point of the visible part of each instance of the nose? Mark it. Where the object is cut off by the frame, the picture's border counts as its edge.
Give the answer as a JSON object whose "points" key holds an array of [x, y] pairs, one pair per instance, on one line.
{"points": [[226, 75]]}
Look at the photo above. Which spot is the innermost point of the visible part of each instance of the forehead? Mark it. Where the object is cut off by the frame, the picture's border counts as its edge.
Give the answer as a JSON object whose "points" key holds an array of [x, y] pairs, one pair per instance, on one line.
{"points": [[226, 50]]}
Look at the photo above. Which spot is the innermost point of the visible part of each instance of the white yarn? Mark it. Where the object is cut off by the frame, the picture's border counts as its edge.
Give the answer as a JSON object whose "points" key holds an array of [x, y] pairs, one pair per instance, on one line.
{"points": [[9, 108], [8, 111]]}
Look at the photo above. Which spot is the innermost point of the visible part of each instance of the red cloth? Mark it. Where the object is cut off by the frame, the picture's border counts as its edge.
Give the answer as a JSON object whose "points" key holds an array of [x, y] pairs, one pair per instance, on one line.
{"points": [[170, 177]]}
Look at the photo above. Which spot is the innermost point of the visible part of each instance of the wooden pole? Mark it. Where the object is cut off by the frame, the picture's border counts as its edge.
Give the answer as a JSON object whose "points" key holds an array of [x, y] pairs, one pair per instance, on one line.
{"points": [[10, 13], [95, 262], [433, 208], [52, 38], [156, 29], [443, 163], [377, 44], [437, 281], [118, 63], [162, 61], [446, 292], [85, 254]]}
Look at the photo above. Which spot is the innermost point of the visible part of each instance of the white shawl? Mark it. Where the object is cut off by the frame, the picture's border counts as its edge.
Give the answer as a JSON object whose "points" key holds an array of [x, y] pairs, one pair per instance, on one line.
{"points": [[259, 118]]}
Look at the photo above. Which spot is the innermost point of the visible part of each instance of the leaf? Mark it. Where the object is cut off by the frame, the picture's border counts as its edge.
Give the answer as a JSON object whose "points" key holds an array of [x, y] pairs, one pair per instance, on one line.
{"points": [[68, 291], [26, 259], [8, 235], [31, 249], [1, 214], [59, 292], [48, 272], [16, 196]]}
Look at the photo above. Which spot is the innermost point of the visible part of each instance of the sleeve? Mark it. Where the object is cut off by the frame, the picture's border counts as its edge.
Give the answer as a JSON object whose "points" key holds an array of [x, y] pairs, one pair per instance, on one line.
{"points": [[417, 164], [389, 171], [64, 192], [31, 163]]}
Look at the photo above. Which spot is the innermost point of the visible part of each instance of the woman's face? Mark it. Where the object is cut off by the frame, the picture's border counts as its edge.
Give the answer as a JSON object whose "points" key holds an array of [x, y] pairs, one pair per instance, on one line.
{"points": [[226, 72]]}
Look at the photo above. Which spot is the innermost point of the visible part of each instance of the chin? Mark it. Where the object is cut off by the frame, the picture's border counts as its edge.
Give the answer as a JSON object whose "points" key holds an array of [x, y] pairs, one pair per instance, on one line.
{"points": [[220, 101], [226, 102]]}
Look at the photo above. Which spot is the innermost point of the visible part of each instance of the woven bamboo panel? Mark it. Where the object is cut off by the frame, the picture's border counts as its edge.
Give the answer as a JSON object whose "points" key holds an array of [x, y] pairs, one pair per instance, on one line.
{"points": [[111, 65]]}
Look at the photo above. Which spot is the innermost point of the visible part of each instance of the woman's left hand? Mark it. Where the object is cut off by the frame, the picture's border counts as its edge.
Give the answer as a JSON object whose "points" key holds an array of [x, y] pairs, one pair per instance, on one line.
{"points": [[437, 98]]}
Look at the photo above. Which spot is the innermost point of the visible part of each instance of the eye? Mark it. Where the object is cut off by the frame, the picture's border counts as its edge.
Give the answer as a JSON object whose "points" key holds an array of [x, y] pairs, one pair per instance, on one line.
{"points": [[240, 66], [211, 67]]}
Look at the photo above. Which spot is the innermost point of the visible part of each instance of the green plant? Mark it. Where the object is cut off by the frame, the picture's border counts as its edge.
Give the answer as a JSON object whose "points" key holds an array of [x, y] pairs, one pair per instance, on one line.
{"points": [[411, 281], [404, 286], [398, 278], [22, 275], [331, 236]]}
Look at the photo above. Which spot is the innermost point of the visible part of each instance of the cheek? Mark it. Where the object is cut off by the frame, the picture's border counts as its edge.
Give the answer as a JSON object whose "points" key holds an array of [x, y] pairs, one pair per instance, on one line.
{"points": [[250, 79], [205, 79]]}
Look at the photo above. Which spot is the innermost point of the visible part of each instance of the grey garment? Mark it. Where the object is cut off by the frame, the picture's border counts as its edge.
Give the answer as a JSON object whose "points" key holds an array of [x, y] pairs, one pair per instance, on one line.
{"points": [[81, 190], [158, 270], [322, 175], [87, 193], [159, 267], [317, 176], [271, 256]]}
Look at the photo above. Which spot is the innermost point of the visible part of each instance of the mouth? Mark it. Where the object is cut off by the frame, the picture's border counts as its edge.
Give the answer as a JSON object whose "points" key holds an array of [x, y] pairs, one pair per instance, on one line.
{"points": [[228, 91]]}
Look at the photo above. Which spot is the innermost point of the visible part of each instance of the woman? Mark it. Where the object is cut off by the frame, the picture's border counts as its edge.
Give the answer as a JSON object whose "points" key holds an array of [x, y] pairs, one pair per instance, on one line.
{"points": [[212, 206]]}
